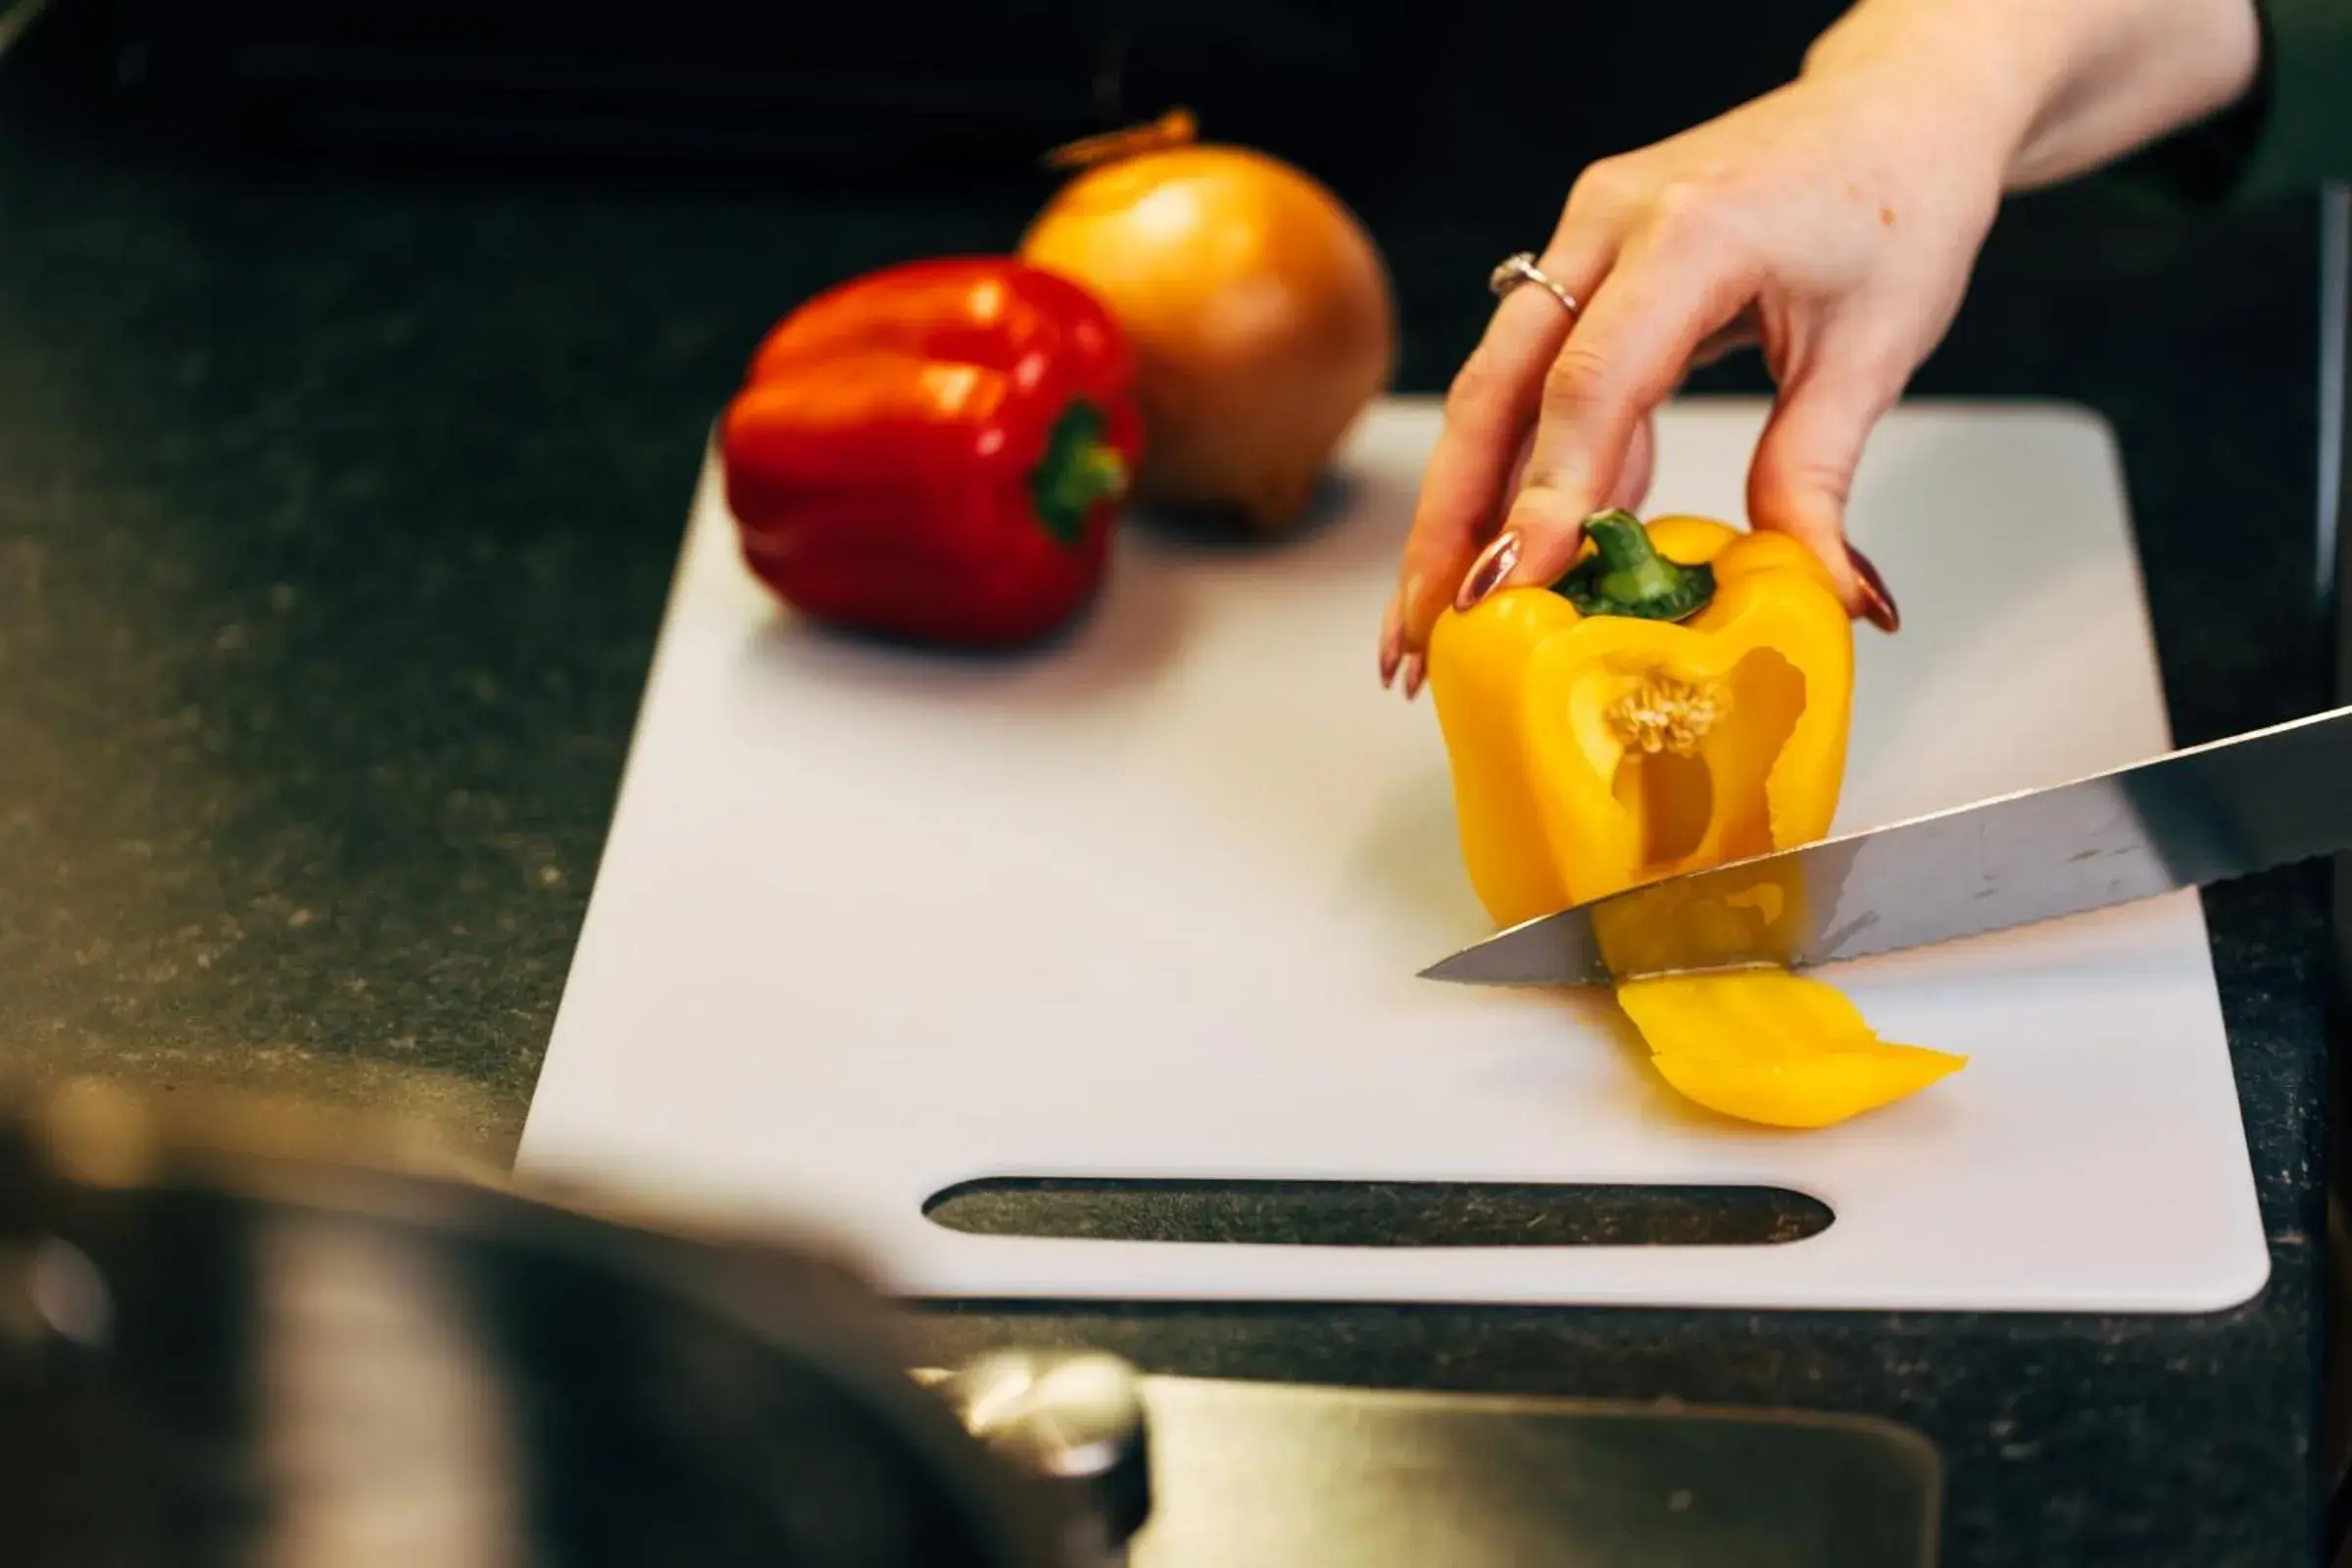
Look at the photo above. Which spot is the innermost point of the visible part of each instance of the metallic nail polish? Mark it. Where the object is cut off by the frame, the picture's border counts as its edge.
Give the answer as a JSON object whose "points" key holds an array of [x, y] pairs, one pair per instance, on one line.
{"points": [[1487, 571], [1878, 605], [1414, 668], [1391, 635]]}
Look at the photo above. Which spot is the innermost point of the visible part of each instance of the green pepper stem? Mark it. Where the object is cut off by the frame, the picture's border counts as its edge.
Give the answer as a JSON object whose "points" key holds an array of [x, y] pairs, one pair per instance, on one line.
{"points": [[1626, 576], [1079, 470], [1091, 474]]}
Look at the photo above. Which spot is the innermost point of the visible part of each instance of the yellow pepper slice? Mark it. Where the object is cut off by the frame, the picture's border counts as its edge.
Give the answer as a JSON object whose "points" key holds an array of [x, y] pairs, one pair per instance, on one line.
{"points": [[1680, 699], [1766, 1046]]}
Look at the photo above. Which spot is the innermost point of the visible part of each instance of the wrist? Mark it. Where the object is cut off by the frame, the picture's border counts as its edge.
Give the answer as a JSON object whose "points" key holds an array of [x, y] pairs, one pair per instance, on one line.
{"points": [[1994, 66], [2059, 87], [2153, 68]]}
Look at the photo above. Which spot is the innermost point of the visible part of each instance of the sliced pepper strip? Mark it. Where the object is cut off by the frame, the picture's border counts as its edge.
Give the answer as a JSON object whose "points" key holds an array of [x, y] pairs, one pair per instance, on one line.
{"points": [[1771, 1046]]}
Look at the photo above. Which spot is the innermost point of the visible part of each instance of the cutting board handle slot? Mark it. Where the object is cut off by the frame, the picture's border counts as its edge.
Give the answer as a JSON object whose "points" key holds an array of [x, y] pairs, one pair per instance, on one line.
{"points": [[1377, 1214]]}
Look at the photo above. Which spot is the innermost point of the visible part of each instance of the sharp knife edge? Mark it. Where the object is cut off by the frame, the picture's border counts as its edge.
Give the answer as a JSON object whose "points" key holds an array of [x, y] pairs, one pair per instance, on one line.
{"points": [[2202, 814]]}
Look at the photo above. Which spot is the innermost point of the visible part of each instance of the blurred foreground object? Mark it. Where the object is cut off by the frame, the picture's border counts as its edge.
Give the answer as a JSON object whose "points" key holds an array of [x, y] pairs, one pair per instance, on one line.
{"points": [[220, 1344], [247, 1337]]}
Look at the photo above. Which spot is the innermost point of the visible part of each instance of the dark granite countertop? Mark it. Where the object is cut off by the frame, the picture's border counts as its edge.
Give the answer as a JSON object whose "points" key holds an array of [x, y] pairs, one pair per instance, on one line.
{"points": [[336, 509]]}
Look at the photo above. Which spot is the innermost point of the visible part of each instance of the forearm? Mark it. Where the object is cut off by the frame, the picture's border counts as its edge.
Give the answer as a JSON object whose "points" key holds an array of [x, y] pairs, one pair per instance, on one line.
{"points": [[2067, 85]]}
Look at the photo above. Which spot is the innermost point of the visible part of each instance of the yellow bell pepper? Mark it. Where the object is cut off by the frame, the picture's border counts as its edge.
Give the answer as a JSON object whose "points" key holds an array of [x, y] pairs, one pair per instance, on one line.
{"points": [[1599, 739], [1680, 699]]}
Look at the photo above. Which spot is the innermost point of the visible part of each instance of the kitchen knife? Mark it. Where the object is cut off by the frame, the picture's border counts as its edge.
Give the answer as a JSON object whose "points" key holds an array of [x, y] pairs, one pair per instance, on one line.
{"points": [[2190, 818]]}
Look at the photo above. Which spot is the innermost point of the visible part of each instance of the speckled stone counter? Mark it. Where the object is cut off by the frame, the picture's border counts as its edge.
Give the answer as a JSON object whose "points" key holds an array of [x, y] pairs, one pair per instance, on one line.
{"points": [[337, 510]]}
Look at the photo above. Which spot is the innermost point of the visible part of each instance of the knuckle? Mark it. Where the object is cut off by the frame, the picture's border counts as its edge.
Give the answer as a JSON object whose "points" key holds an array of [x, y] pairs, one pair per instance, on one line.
{"points": [[1820, 478], [1481, 390], [1687, 213], [1812, 468], [1611, 186], [1579, 377]]}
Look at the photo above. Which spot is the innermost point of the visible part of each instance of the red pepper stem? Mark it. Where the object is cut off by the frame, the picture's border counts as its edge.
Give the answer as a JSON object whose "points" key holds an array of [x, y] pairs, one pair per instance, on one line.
{"points": [[1093, 472], [1079, 471]]}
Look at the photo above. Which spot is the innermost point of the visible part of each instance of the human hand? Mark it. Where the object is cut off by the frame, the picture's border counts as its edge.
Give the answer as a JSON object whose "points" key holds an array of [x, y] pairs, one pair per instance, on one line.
{"points": [[1832, 224]]}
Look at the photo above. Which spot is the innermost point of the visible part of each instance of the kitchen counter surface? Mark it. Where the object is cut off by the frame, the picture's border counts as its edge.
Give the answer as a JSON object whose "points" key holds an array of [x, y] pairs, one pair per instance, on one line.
{"points": [[337, 510]]}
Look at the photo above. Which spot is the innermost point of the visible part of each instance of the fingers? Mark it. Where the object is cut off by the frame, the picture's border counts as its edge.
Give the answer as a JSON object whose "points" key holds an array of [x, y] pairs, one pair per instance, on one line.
{"points": [[1672, 290], [1641, 466], [1489, 413], [1805, 460]]}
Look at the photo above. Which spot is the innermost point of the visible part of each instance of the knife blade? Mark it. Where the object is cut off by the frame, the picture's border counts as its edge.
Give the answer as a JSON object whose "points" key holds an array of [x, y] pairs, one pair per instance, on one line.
{"points": [[2188, 818]]}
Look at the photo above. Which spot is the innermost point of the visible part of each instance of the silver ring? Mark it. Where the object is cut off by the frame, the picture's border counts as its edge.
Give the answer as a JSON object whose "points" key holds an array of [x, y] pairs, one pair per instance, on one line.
{"points": [[1522, 268]]}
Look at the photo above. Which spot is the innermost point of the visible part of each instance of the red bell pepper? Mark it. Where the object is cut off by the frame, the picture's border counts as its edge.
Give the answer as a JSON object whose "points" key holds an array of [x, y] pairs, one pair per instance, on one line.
{"points": [[936, 451]]}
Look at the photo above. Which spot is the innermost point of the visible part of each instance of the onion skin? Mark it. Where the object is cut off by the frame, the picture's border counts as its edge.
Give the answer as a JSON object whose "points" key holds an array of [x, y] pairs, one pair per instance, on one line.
{"points": [[1259, 309]]}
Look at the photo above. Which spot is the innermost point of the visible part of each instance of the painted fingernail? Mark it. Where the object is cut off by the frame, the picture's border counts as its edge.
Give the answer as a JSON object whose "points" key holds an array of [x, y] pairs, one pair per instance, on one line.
{"points": [[1878, 605], [1486, 574], [1391, 632], [1414, 668]]}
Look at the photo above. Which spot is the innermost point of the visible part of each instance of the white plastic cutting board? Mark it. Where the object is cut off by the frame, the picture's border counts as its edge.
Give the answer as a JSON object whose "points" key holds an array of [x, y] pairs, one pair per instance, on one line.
{"points": [[871, 924]]}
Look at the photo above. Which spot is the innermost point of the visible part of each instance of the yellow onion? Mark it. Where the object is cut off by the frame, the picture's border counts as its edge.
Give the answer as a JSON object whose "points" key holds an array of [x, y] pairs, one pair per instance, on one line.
{"points": [[1259, 309]]}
